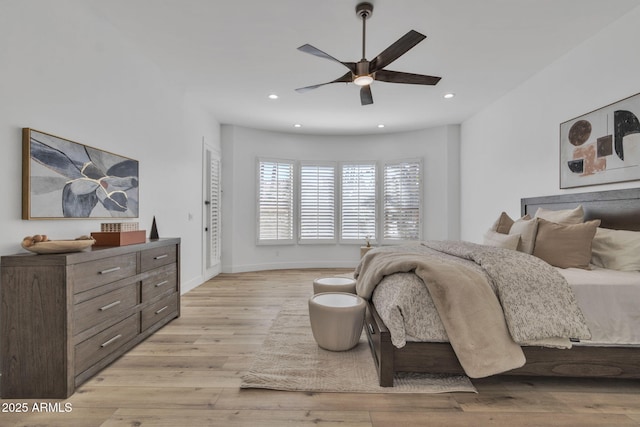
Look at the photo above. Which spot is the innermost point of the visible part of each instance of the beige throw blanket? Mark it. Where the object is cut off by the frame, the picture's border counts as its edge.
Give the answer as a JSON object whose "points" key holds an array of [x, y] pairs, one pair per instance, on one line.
{"points": [[464, 280]]}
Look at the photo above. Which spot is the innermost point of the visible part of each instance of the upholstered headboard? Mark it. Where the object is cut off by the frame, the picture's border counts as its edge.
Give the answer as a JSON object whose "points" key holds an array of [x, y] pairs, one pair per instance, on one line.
{"points": [[618, 209]]}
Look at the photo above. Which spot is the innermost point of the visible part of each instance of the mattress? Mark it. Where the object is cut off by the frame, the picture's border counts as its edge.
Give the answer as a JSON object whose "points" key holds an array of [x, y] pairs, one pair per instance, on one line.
{"points": [[610, 302]]}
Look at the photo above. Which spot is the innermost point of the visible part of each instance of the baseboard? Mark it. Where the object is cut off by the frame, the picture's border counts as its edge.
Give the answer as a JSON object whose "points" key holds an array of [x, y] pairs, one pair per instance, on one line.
{"points": [[188, 285], [287, 265]]}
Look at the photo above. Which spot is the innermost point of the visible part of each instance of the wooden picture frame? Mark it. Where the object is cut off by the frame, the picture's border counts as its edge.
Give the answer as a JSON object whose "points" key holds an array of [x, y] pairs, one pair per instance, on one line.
{"points": [[602, 146], [63, 179]]}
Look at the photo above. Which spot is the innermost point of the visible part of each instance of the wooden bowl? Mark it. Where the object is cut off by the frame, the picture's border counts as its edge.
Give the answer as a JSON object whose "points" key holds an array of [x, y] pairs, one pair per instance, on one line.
{"points": [[59, 246]]}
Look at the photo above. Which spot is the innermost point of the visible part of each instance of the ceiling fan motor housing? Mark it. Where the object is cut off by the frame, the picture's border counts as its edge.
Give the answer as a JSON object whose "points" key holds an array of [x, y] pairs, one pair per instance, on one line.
{"points": [[364, 10], [362, 68]]}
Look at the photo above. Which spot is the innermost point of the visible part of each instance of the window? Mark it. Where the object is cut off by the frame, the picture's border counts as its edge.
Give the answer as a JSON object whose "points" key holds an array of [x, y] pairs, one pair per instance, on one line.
{"points": [[275, 201], [317, 202], [358, 201], [401, 201]]}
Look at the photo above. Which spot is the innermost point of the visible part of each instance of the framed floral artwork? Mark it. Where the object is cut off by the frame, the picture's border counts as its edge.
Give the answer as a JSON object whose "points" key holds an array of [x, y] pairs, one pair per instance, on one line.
{"points": [[602, 146], [65, 179]]}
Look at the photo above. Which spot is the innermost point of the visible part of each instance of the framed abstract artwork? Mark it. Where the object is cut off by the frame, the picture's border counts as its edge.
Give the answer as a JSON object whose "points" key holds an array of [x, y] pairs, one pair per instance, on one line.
{"points": [[602, 146], [65, 179]]}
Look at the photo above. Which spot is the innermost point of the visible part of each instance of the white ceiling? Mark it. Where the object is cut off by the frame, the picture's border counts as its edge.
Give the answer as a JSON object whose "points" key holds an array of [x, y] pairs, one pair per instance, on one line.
{"points": [[232, 54]]}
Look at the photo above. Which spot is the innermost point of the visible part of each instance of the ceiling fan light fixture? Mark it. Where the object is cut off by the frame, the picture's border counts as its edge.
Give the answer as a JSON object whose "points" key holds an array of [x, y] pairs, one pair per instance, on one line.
{"points": [[363, 80]]}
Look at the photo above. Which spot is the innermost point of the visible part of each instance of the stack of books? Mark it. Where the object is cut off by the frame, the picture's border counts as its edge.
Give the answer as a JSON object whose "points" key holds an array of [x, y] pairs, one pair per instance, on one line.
{"points": [[119, 234]]}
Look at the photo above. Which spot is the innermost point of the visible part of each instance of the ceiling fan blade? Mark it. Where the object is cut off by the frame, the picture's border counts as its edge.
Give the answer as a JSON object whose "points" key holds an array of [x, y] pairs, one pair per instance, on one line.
{"points": [[307, 48], [366, 97], [400, 77], [346, 78], [396, 50]]}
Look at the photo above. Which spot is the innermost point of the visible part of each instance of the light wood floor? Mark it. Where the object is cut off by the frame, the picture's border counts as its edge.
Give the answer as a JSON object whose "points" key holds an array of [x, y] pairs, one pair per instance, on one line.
{"points": [[188, 374]]}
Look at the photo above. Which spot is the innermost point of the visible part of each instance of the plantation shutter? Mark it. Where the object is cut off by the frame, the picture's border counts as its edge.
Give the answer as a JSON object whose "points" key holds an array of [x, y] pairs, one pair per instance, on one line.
{"points": [[317, 202], [402, 191], [358, 201], [214, 211], [275, 201]]}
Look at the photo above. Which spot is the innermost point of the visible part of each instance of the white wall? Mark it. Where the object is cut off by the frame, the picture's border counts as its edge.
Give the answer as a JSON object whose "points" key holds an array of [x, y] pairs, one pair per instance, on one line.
{"points": [[67, 72], [99, 90], [511, 148], [438, 147]]}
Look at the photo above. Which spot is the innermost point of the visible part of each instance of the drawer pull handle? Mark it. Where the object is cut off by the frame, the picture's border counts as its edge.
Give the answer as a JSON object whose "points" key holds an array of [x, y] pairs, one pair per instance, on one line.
{"points": [[164, 282], [160, 256], [106, 343], [108, 306], [162, 309], [371, 330], [110, 270]]}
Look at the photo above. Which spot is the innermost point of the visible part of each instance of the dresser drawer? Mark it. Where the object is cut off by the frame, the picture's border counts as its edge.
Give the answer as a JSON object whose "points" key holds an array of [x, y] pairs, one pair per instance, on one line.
{"points": [[104, 308], [101, 345], [159, 310], [162, 280], [89, 275], [153, 258]]}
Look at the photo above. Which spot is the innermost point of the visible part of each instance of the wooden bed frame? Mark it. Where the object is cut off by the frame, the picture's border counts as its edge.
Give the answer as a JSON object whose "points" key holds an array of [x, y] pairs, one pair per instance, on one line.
{"points": [[618, 209]]}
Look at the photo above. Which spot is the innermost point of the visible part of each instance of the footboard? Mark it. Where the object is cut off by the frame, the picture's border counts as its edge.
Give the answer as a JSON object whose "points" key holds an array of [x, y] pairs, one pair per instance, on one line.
{"points": [[439, 358], [382, 349], [425, 357]]}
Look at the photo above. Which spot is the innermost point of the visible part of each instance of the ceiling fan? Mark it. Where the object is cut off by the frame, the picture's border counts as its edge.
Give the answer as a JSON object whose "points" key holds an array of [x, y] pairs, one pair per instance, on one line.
{"points": [[364, 72]]}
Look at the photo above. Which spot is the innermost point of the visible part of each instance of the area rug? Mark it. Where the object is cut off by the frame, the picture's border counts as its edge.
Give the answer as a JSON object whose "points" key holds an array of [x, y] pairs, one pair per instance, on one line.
{"points": [[291, 360]]}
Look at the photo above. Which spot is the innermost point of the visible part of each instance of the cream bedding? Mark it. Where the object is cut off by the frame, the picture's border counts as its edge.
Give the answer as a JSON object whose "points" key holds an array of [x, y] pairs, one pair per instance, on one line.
{"points": [[610, 301], [463, 281]]}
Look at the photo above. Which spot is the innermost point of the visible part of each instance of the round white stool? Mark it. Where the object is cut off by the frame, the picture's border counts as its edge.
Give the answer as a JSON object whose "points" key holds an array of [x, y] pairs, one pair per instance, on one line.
{"points": [[336, 320], [334, 284]]}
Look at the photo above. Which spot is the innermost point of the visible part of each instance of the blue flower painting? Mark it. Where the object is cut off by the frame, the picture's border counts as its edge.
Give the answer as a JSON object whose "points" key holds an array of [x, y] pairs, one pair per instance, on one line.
{"points": [[66, 179]]}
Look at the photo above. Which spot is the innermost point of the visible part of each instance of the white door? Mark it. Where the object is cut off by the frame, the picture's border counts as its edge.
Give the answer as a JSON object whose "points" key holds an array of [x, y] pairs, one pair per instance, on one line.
{"points": [[212, 212]]}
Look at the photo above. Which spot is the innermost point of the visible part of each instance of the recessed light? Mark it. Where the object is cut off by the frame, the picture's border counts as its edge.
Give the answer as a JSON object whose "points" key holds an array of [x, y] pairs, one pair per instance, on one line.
{"points": [[297, 125], [273, 96], [449, 95], [381, 126]]}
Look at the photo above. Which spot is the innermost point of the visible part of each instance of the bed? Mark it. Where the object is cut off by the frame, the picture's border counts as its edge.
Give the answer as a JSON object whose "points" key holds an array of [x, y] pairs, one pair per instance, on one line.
{"points": [[616, 209]]}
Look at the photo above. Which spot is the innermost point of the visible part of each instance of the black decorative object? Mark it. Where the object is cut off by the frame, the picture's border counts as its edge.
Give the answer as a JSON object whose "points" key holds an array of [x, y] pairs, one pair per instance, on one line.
{"points": [[154, 230]]}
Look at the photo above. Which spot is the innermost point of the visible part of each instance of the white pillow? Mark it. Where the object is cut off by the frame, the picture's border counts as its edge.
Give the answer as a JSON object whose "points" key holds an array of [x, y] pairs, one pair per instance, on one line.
{"points": [[564, 216], [500, 240], [527, 229], [616, 249]]}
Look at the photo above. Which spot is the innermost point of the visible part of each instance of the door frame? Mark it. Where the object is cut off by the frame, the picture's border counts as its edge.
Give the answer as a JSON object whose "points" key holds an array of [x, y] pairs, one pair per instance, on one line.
{"points": [[210, 153]]}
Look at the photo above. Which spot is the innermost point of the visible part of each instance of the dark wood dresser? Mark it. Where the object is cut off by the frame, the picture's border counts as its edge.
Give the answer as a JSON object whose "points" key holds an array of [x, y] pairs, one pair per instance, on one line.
{"points": [[64, 317]]}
